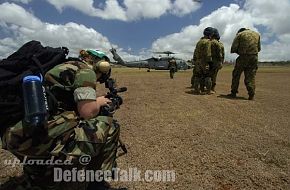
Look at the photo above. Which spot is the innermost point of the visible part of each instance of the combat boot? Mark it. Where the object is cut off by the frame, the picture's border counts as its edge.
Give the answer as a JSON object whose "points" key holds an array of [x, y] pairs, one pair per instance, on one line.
{"points": [[213, 88], [196, 92], [232, 95], [251, 97], [211, 92]]}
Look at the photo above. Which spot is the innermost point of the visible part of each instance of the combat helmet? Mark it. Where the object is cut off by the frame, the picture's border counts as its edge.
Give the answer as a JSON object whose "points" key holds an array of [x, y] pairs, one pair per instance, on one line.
{"points": [[216, 34], [97, 54], [241, 30], [208, 31], [100, 64]]}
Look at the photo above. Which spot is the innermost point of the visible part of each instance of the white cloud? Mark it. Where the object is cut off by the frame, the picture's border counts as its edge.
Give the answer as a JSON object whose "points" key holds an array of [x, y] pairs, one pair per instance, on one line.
{"points": [[183, 7], [226, 19], [21, 26], [276, 51], [271, 15], [129, 10], [146, 9], [12, 13], [24, 27], [111, 10]]}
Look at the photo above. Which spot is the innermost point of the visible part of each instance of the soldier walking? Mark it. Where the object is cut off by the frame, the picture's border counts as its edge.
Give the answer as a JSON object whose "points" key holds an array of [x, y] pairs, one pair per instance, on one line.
{"points": [[172, 66]]}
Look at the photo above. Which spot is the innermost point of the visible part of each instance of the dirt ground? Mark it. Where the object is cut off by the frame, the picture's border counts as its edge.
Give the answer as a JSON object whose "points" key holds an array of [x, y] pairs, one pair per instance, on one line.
{"points": [[210, 141]]}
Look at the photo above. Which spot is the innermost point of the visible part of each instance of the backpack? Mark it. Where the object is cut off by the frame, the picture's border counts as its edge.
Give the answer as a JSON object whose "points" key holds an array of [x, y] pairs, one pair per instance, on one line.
{"points": [[31, 58]]}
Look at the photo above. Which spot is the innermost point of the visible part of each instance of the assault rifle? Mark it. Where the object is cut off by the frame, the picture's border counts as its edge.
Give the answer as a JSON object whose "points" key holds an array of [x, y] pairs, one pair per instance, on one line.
{"points": [[116, 101]]}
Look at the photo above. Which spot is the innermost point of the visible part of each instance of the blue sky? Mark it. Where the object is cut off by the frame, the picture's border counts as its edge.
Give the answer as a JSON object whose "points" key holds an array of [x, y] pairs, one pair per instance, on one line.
{"points": [[138, 27], [144, 31]]}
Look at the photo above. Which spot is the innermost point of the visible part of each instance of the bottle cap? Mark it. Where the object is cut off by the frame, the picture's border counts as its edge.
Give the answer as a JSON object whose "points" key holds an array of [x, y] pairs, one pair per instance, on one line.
{"points": [[31, 78]]}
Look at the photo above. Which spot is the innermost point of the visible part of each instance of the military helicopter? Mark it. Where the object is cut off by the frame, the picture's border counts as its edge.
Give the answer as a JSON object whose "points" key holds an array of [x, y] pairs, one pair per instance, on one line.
{"points": [[159, 63]]}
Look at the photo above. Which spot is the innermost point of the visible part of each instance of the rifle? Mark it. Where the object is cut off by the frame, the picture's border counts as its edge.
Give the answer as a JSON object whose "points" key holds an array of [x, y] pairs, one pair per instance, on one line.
{"points": [[116, 101], [112, 95]]}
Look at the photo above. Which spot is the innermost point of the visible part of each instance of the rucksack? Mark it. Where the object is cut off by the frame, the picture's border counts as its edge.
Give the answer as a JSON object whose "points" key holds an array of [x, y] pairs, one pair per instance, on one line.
{"points": [[31, 58]]}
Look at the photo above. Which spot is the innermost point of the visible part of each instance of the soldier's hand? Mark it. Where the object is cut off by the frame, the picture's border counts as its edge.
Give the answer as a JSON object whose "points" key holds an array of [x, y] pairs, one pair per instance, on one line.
{"points": [[102, 101]]}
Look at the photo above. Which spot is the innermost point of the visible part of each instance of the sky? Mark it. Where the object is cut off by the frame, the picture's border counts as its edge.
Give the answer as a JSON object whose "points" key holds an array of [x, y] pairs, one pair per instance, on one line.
{"points": [[138, 28]]}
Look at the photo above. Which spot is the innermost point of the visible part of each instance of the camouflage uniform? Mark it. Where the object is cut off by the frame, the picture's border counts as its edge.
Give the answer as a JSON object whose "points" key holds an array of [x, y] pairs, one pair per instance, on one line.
{"points": [[68, 137], [202, 58], [172, 66], [247, 45], [218, 54], [193, 76]]}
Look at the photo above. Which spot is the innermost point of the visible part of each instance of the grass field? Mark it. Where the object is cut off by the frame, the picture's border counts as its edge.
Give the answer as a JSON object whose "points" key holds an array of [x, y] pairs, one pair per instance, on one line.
{"points": [[211, 142]]}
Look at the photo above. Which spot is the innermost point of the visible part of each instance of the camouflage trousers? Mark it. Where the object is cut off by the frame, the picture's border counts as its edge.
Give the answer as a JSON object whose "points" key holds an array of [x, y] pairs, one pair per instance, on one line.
{"points": [[249, 65], [214, 73], [67, 139], [192, 77], [202, 77], [195, 77], [172, 70]]}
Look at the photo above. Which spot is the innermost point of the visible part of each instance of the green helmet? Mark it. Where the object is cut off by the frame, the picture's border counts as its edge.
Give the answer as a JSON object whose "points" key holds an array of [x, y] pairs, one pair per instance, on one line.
{"points": [[98, 54], [208, 31]]}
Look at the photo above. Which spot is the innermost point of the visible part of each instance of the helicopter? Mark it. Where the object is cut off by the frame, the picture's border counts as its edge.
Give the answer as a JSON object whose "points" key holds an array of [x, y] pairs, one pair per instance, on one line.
{"points": [[160, 63]]}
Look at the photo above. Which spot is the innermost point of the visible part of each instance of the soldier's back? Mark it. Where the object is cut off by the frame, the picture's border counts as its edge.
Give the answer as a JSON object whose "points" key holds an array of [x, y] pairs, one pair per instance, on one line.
{"points": [[202, 51], [74, 74], [248, 42], [217, 51]]}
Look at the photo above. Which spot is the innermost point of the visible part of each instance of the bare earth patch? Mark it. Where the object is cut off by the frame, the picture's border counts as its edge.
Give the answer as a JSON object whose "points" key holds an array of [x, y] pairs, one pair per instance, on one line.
{"points": [[210, 141]]}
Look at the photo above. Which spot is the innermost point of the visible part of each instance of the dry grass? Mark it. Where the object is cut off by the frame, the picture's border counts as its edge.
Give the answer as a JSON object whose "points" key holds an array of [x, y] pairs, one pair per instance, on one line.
{"points": [[210, 141]]}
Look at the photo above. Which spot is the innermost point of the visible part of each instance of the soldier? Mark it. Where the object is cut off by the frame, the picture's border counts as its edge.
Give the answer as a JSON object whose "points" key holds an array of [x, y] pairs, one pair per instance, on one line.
{"points": [[74, 128], [172, 66], [202, 58], [218, 54], [247, 45]]}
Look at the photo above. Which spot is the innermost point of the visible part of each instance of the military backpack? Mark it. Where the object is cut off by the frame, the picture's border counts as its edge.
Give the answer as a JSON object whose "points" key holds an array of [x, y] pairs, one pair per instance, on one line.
{"points": [[30, 59]]}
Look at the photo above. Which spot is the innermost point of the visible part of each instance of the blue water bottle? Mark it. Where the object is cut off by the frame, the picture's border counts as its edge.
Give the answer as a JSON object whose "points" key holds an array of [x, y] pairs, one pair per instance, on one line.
{"points": [[34, 101]]}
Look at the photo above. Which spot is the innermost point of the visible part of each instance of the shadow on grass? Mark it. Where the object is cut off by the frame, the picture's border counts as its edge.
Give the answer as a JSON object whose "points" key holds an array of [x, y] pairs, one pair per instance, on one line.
{"points": [[190, 92], [228, 97]]}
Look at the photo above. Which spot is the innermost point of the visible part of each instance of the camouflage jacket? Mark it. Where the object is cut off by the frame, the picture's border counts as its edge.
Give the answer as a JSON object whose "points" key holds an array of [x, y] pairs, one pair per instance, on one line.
{"points": [[246, 43], [72, 81], [202, 52], [217, 51], [172, 64], [88, 138]]}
